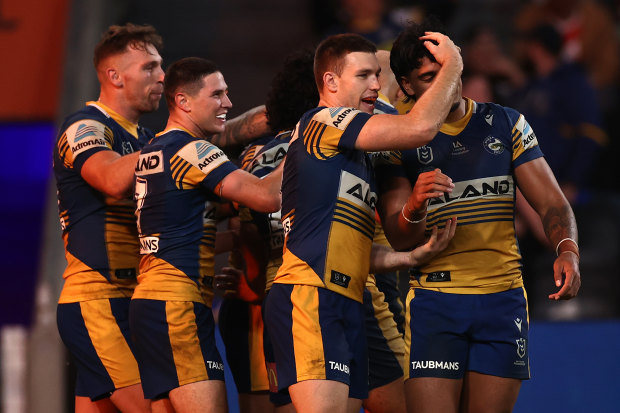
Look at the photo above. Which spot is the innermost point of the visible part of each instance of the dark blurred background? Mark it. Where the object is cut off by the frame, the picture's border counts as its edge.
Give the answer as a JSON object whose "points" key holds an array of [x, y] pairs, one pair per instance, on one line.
{"points": [[556, 61]]}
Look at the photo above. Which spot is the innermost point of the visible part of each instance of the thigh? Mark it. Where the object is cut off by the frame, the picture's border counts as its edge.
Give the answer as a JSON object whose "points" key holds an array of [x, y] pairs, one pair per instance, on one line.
{"points": [[200, 397], [175, 343], [488, 394], [322, 396], [96, 332], [432, 395]]}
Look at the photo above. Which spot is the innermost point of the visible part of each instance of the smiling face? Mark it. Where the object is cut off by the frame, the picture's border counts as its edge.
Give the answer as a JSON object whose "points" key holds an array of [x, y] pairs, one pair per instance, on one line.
{"points": [[358, 84], [142, 77], [210, 104]]}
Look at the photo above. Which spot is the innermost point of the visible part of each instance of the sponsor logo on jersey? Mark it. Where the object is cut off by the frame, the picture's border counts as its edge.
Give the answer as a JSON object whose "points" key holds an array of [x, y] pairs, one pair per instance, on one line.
{"points": [[269, 159], [127, 148], [435, 365], [85, 135], [334, 365], [491, 187], [150, 163], [528, 137], [286, 225], [357, 191], [149, 245], [521, 344], [207, 154], [340, 279], [493, 145], [215, 365], [203, 155], [438, 276], [425, 154], [337, 117], [458, 148]]}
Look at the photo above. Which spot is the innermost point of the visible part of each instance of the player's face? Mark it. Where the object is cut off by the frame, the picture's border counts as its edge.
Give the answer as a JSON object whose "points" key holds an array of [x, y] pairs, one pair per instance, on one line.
{"points": [[143, 78], [358, 85], [211, 104], [419, 80]]}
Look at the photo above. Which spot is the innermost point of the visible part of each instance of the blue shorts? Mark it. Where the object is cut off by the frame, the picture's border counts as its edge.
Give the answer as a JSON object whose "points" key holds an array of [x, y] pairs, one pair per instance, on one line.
{"points": [[175, 344], [241, 327], [317, 334], [96, 332], [450, 334], [386, 346]]}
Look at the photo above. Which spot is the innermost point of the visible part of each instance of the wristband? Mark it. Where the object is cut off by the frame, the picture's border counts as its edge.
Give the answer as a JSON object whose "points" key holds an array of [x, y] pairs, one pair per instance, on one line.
{"points": [[411, 221], [557, 248]]}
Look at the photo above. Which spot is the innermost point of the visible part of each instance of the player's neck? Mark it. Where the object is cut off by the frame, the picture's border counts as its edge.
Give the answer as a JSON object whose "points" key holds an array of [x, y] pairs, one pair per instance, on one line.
{"points": [[457, 113], [118, 106]]}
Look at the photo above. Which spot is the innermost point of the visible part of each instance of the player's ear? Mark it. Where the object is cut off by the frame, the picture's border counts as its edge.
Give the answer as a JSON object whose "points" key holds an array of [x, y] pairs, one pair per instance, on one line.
{"points": [[406, 85], [330, 81], [114, 77], [182, 102]]}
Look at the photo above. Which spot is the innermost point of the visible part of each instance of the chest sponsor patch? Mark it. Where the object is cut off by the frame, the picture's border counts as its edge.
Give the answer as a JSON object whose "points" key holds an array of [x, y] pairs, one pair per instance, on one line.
{"points": [[86, 134], [203, 155], [357, 191], [150, 163]]}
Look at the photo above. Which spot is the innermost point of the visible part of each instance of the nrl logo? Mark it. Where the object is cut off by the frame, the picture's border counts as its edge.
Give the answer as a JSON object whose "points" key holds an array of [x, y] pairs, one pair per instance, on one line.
{"points": [[425, 155], [521, 347]]}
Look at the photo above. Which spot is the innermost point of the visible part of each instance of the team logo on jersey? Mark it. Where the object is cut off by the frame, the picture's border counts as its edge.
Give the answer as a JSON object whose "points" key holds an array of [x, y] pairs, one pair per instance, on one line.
{"points": [[149, 245], [528, 137], [85, 135], [493, 145], [425, 155], [357, 191], [150, 163], [521, 344]]}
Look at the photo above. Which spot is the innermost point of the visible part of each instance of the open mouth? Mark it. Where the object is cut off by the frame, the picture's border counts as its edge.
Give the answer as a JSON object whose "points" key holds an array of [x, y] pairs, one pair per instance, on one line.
{"points": [[221, 117], [370, 100]]}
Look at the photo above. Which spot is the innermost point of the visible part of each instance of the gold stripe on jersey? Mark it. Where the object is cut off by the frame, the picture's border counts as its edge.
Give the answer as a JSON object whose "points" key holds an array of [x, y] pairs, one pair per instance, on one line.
{"points": [[296, 271], [258, 372], [321, 140], [110, 343], [184, 342], [160, 280], [84, 283], [523, 137], [454, 128], [179, 168], [471, 212], [307, 336]]}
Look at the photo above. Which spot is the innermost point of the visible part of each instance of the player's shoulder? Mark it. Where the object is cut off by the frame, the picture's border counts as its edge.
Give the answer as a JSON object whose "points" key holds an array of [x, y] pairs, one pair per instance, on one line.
{"points": [[336, 117], [493, 112]]}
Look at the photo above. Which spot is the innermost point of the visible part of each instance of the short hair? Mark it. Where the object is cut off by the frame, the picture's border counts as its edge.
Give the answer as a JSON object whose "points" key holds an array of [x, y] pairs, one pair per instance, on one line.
{"points": [[116, 39], [293, 91], [186, 74], [408, 50], [330, 53]]}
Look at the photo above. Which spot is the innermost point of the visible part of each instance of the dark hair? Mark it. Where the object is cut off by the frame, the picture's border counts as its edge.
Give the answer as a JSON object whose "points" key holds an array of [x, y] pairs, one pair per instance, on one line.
{"points": [[116, 39], [293, 91], [186, 74], [330, 53], [408, 50]]}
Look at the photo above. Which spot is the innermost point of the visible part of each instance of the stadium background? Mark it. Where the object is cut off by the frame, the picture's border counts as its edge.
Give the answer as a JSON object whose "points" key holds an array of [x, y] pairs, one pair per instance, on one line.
{"points": [[47, 72]]}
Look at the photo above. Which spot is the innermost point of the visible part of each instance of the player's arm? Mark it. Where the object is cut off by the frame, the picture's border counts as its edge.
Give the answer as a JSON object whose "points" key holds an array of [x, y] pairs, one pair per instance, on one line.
{"points": [[244, 128], [110, 173], [421, 124], [385, 259], [403, 210], [539, 187], [262, 195]]}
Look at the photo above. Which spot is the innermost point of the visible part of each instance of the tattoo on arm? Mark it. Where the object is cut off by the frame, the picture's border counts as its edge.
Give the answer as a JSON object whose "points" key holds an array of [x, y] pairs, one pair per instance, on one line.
{"points": [[559, 223], [242, 129]]}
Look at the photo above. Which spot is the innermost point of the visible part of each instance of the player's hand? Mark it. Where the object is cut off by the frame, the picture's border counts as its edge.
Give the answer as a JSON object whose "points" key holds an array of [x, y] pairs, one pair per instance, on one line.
{"points": [[227, 283], [432, 184], [566, 268], [443, 49], [437, 242]]}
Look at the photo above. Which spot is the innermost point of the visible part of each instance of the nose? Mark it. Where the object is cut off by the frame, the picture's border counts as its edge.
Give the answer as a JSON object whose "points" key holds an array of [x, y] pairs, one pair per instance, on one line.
{"points": [[375, 84], [226, 102], [160, 74]]}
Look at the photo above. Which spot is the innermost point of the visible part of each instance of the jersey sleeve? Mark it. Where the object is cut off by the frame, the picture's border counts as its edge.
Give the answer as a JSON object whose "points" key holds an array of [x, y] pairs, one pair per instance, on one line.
{"points": [[333, 130], [200, 163], [83, 139], [524, 143]]}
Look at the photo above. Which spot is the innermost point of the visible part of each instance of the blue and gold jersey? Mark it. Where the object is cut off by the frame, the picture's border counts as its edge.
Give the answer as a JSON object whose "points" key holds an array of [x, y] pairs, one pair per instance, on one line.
{"points": [[177, 177], [479, 153], [99, 233], [328, 204]]}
